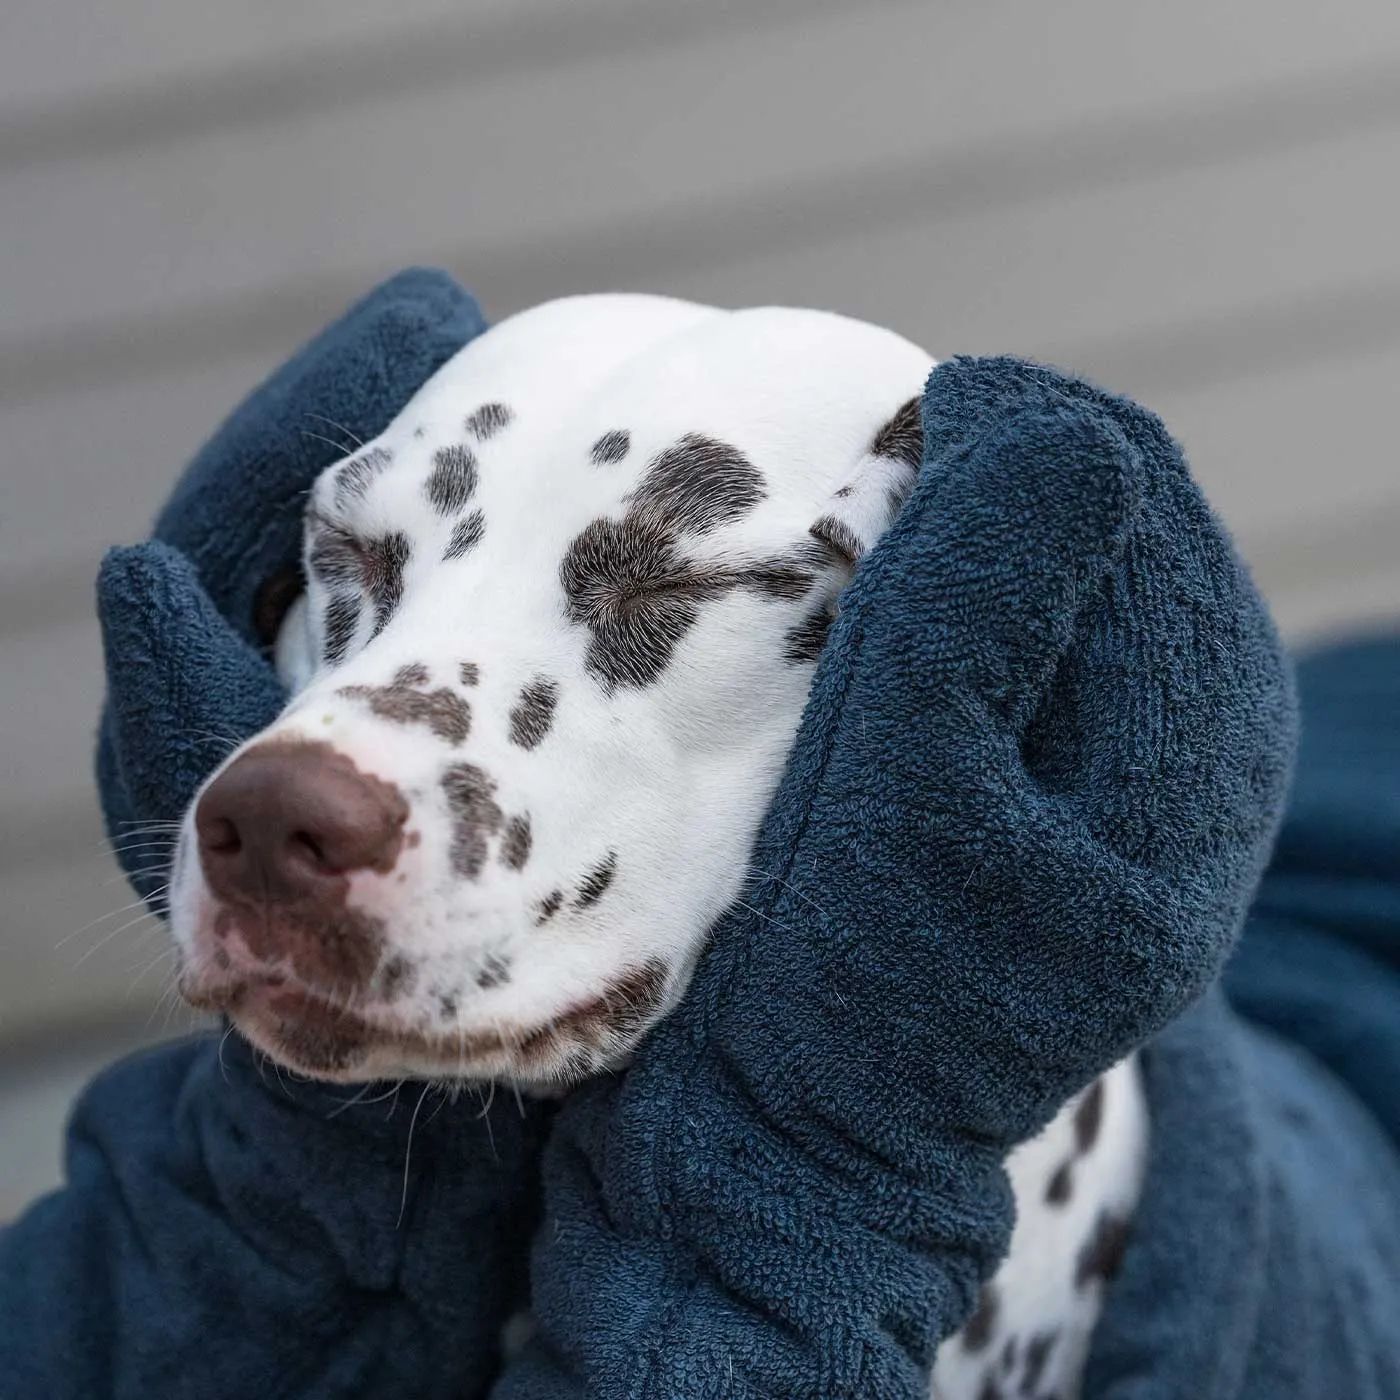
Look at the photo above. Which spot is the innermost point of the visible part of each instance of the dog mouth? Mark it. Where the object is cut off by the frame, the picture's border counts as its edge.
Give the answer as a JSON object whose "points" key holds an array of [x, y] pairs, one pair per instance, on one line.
{"points": [[311, 1033]]}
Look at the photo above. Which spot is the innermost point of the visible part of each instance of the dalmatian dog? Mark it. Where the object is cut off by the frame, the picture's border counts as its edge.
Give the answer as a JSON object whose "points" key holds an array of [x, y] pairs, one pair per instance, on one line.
{"points": [[559, 624]]}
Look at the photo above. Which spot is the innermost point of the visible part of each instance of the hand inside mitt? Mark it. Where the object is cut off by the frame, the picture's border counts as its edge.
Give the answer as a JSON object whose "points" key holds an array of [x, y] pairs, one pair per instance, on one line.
{"points": [[1043, 759]]}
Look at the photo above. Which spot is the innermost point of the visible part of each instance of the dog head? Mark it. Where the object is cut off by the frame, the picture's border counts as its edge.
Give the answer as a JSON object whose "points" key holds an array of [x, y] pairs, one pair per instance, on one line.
{"points": [[559, 626]]}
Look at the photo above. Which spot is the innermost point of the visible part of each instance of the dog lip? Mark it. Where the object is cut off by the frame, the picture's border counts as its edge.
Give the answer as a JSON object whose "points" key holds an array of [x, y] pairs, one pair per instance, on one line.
{"points": [[317, 1035]]}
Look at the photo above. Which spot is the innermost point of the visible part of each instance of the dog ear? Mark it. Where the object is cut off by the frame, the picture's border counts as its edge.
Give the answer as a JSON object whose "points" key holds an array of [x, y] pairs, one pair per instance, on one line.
{"points": [[864, 506]]}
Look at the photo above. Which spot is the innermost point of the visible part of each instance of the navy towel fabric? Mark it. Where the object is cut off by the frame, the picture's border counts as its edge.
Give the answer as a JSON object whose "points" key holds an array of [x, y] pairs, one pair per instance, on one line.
{"points": [[1036, 784], [179, 614], [226, 1230], [1031, 798]]}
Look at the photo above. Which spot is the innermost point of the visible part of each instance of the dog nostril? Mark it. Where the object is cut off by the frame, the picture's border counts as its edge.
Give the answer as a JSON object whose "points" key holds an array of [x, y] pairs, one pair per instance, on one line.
{"points": [[285, 821], [308, 848], [220, 837]]}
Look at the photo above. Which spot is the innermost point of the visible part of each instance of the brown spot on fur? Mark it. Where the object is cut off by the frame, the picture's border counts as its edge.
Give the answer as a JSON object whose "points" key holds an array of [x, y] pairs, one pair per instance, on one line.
{"points": [[469, 673], [1038, 1351], [1103, 1251], [903, 436], [839, 536], [452, 481], [1060, 1187], [533, 714], [549, 906], [396, 977], [1088, 1117], [353, 480], [376, 566], [611, 447], [342, 622], [416, 673], [466, 535], [982, 1324], [488, 420], [443, 711], [494, 972], [595, 884], [804, 643], [319, 1037], [515, 844], [628, 582], [326, 943], [384, 576], [696, 485], [623, 1006], [475, 816]]}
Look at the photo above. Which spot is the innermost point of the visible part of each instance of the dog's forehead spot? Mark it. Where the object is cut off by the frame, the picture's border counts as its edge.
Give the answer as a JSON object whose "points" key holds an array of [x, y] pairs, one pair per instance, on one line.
{"points": [[612, 446], [902, 438], [354, 477], [625, 580], [533, 713], [415, 673], [549, 906], [698, 484], [488, 420], [631, 585], [476, 816], [452, 481], [596, 883], [466, 535], [469, 673]]}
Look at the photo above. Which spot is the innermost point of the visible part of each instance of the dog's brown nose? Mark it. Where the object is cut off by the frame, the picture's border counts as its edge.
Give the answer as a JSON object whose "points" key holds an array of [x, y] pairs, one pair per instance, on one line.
{"points": [[286, 819]]}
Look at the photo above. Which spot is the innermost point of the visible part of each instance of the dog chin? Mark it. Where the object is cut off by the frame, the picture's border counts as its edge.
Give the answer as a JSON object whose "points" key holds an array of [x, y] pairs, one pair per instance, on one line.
{"points": [[312, 1035]]}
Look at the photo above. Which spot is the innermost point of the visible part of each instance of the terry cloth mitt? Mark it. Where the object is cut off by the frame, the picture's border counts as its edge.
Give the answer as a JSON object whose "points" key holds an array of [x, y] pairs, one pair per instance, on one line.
{"points": [[224, 1230], [1265, 1254], [187, 617], [1042, 762]]}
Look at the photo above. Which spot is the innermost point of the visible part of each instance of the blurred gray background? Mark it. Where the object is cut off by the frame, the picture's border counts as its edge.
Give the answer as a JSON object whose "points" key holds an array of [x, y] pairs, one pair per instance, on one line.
{"points": [[1195, 202]]}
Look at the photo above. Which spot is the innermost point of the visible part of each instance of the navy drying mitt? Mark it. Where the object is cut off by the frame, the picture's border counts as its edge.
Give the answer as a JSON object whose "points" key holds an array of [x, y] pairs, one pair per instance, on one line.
{"points": [[187, 617], [352, 1244], [1043, 760]]}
